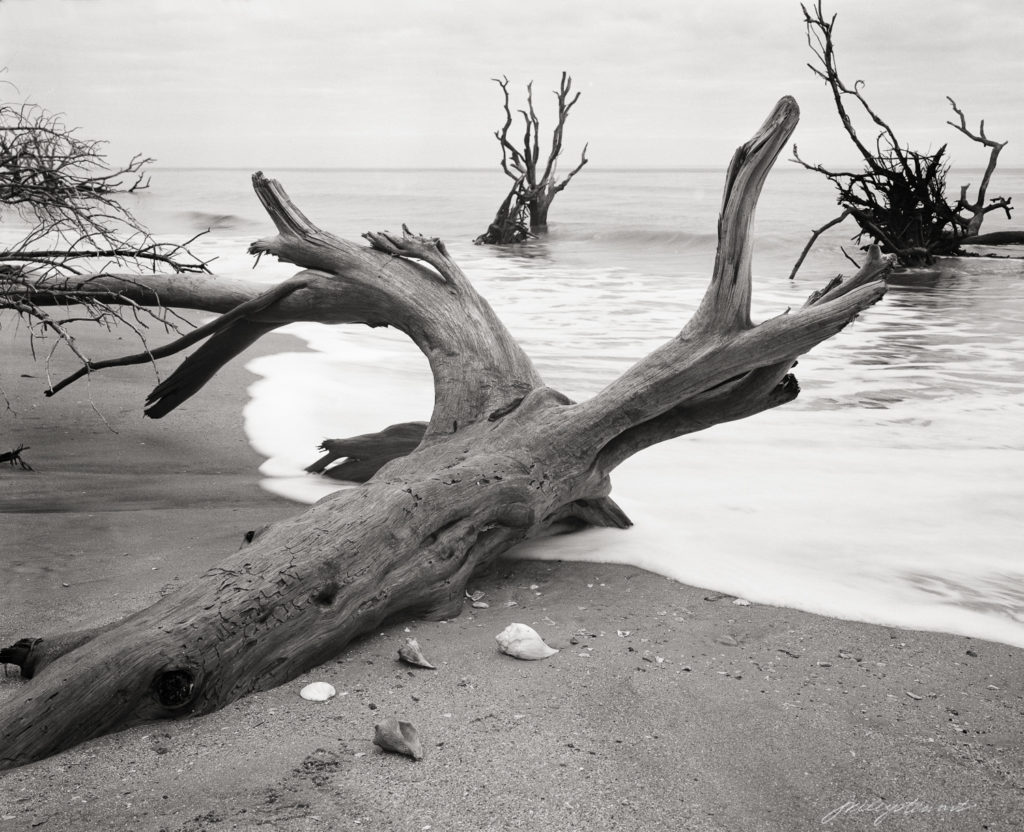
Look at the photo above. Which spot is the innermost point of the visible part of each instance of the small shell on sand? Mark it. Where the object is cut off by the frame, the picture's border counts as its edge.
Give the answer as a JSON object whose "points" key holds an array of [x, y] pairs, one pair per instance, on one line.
{"points": [[318, 692], [523, 642], [398, 736], [410, 653]]}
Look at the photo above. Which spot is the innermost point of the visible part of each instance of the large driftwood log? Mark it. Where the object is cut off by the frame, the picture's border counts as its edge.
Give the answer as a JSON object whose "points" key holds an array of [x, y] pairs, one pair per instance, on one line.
{"points": [[503, 459]]}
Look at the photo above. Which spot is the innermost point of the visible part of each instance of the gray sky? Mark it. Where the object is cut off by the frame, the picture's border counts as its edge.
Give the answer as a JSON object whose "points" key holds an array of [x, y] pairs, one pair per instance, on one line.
{"points": [[401, 83]]}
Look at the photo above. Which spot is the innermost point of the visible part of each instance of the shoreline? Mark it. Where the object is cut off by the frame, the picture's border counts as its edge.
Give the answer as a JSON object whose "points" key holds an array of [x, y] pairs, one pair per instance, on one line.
{"points": [[667, 707], [122, 495]]}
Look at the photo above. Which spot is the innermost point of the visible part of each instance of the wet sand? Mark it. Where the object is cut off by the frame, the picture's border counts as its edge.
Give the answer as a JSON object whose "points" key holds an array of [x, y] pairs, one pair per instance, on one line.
{"points": [[668, 707]]}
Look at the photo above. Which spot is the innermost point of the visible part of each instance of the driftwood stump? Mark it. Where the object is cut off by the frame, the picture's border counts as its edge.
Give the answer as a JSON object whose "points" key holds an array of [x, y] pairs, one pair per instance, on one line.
{"points": [[502, 459]]}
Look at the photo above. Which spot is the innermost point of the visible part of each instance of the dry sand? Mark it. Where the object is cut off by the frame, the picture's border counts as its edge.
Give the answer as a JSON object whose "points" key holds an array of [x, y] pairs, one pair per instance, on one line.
{"points": [[668, 707]]}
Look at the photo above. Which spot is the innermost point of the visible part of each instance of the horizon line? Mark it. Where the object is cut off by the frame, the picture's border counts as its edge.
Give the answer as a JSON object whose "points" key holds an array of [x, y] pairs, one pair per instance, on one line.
{"points": [[409, 169], [475, 169]]}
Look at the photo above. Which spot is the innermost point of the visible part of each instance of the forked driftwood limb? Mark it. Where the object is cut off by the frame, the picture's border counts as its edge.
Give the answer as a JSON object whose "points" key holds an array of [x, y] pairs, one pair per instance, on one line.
{"points": [[502, 459]]}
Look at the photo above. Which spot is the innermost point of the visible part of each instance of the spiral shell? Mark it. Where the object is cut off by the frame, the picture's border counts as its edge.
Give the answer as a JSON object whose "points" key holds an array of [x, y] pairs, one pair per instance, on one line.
{"points": [[410, 653], [398, 736]]}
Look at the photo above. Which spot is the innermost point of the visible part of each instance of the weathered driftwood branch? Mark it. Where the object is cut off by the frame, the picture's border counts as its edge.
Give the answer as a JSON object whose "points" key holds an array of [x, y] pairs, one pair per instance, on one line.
{"points": [[365, 455], [383, 285], [184, 291], [503, 459], [215, 328]]}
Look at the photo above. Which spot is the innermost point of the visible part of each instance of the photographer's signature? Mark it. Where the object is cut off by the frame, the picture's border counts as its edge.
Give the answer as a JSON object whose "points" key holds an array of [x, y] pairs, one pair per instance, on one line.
{"points": [[879, 810]]}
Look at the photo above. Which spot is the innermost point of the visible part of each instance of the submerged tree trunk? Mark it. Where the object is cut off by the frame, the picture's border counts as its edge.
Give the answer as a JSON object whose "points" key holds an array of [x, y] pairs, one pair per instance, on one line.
{"points": [[539, 205], [503, 459]]}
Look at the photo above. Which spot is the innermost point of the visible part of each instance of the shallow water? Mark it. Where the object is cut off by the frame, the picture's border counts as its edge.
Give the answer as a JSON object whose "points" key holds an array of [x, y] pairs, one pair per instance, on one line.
{"points": [[891, 491]]}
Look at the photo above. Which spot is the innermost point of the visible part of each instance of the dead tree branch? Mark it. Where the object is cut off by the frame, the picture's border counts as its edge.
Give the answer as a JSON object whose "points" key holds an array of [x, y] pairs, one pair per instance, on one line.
{"points": [[814, 236], [976, 210], [72, 198]]}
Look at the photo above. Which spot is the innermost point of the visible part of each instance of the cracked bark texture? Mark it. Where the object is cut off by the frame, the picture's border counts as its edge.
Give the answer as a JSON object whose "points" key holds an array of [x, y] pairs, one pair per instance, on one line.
{"points": [[502, 459]]}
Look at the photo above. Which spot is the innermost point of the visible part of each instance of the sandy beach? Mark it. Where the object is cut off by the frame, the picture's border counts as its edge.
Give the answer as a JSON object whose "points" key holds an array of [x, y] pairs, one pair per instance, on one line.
{"points": [[668, 706]]}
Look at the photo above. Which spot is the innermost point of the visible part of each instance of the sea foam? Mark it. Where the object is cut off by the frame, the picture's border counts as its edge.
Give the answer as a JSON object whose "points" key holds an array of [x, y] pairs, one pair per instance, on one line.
{"points": [[799, 508]]}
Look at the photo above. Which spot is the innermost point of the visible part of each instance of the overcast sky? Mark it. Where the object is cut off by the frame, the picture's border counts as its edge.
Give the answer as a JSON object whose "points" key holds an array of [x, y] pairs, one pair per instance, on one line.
{"points": [[406, 83]]}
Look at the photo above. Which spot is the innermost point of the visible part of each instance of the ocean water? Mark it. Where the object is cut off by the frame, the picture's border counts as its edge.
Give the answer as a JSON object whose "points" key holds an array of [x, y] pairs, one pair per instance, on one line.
{"points": [[890, 491]]}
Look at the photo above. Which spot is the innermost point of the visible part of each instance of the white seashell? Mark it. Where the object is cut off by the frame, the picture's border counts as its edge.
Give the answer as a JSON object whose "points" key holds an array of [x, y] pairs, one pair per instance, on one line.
{"points": [[410, 654], [398, 736], [318, 692], [523, 642], [741, 602]]}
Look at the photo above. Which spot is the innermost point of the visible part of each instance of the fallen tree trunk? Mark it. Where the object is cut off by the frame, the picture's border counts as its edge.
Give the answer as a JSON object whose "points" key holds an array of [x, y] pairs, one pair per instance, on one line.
{"points": [[503, 459], [995, 238]]}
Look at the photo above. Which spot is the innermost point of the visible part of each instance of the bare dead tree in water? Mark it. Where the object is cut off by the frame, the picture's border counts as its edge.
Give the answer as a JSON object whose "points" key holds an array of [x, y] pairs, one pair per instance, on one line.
{"points": [[534, 187], [67, 193], [899, 199]]}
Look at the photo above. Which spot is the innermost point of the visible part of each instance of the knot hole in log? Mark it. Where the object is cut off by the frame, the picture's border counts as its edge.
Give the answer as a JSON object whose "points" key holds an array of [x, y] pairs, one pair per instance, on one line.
{"points": [[326, 595], [174, 689]]}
